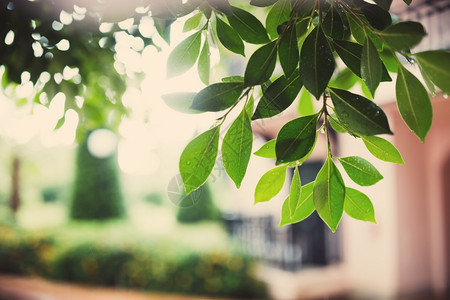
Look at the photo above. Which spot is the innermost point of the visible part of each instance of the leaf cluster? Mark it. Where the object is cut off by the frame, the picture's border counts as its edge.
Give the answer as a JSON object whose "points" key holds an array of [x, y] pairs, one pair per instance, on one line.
{"points": [[306, 39], [300, 45]]}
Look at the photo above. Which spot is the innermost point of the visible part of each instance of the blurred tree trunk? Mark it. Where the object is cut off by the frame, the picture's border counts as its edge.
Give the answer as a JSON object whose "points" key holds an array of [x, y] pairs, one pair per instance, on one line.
{"points": [[15, 185]]}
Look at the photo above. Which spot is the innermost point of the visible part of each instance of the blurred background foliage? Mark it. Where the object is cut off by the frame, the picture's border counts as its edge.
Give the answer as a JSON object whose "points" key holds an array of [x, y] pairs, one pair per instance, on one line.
{"points": [[97, 191], [59, 48], [62, 228], [198, 206], [125, 261]]}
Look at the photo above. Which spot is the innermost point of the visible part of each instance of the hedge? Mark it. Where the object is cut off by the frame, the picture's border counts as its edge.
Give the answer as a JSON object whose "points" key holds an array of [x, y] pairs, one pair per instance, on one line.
{"points": [[162, 268]]}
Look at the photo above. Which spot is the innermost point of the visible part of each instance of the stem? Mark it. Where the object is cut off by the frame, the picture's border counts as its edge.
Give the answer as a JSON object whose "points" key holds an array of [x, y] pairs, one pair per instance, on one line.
{"points": [[320, 13], [404, 54], [246, 93], [343, 126], [380, 37], [325, 123], [289, 23], [349, 9]]}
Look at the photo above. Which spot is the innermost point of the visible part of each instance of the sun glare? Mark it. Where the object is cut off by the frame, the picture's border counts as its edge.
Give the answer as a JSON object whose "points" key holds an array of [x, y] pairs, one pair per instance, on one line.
{"points": [[150, 123], [102, 143]]}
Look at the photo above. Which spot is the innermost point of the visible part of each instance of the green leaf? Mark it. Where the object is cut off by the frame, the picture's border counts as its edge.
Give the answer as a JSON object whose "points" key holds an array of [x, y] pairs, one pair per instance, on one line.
{"points": [[60, 122], [222, 6], [305, 8], [304, 158], [198, 158], [301, 28], [360, 114], [332, 25], [278, 96], [193, 22], [229, 37], [403, 35], [365, 90], [305, 104], [278, 14], [265, 85], [163, 28], [204, 63], [360, 170], [407, 1], [382, 149], [430, 85], [384, 4], [184, 56], [5, 81], [344, 80], [351, 53], [358, 206], [295, 192], [360, 31], [234, 78], [218, 96], [335, 125], [270, 184], [356, 28], [261, 64], [288, 52], [305, 206], [371, 66], [181, 102], [413, 103], [378, 17], [436, 65], [316, 62], [250, 106], [389, 60], [329, 194], [262, 3], [237, 148], [296, 138], [267, 150], [248, 26]]}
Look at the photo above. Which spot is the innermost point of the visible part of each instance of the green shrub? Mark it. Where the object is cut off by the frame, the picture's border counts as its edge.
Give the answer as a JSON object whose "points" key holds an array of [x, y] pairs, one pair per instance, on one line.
{"points": [[22, 253], [154, 198], [219, 274], [91, 264], [197, 206], [51, 193], [158, 267], [97, 194]]}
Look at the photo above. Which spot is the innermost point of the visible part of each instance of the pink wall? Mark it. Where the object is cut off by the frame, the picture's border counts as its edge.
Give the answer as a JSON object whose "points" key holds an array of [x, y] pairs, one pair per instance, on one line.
{"points": [[407, 252], [422, 238]]}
